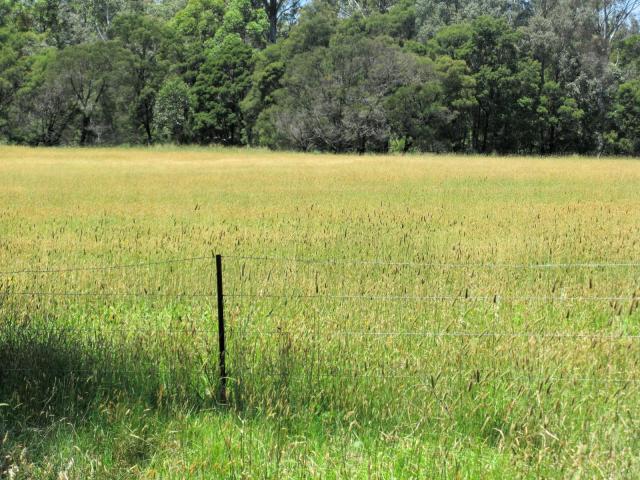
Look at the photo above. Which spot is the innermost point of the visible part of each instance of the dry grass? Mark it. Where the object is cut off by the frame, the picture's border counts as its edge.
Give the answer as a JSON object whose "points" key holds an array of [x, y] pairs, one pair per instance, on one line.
{"points": [[332, 387]]}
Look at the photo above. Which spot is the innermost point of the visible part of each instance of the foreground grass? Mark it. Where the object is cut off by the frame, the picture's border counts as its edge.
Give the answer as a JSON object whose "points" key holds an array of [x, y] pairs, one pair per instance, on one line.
{"points": [[135, 443], [309, 400]]}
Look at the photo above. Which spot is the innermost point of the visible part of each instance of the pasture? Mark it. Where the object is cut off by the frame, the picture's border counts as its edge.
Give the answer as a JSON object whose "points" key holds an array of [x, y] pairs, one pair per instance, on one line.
{"points": [[390, 317]]}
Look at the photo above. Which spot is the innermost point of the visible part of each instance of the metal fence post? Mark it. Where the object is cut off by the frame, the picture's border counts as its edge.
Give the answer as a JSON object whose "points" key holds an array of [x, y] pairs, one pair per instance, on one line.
{"points": [[222, 393]]}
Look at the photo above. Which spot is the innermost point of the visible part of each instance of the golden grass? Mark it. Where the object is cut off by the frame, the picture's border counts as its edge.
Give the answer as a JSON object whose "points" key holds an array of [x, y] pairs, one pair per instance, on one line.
{"points": [[165, 202], [545, 402]]}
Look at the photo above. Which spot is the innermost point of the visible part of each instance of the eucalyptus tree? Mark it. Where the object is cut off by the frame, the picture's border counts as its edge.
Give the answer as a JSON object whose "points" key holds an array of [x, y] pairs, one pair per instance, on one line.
{"points": [[82, 82], [152, 50], [431, 15], [279, 11], [334, 98], [612, 18]]}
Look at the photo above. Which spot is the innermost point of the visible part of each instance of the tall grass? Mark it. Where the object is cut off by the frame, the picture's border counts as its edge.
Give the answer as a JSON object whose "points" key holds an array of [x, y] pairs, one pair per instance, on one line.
{"points": [[459, 362]]}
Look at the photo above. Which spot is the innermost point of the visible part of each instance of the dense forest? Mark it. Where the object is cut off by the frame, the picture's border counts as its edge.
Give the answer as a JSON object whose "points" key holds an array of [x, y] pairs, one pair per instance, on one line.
{"points": [[504, 76]]}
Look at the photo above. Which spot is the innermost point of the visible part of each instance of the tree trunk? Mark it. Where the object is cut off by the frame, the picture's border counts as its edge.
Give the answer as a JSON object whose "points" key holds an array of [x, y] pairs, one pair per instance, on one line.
{"points": [[362, 145], [271, 8], [485, 132], [147, 128], [84, 131], [273, 28]]}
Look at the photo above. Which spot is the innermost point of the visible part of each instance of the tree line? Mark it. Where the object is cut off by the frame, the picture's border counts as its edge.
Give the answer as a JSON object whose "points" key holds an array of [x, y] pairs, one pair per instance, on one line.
{"points": [[504, 76]]}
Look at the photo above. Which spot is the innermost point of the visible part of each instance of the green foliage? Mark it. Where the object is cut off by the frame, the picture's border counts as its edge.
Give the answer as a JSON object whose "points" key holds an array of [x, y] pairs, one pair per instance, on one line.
{"points": [[454, 41], [17, 56], [509, 76], [72, 95], [432, 15], [266, 80], [152, 49], [318, 22], [242, 19], [334, 97], [560, 118], [628, 54], [199, 20], [626, 115], [204, 24], [505, 86], [399, 22], [222, 83], [417, 114], [93, 74], [173, 112], [41, 111]]}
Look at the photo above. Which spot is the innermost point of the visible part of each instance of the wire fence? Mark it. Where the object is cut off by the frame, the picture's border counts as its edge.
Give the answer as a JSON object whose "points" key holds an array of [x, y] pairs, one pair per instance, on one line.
{"points": [[321, 322]]}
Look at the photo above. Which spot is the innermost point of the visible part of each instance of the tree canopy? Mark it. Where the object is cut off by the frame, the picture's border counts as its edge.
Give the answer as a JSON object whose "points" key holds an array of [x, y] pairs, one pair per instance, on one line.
{"points": [[504, 76]]}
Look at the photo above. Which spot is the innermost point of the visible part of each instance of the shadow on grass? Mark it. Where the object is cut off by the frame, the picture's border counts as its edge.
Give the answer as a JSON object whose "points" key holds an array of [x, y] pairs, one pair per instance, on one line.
{"points": [[103, 395], [50, 371]]}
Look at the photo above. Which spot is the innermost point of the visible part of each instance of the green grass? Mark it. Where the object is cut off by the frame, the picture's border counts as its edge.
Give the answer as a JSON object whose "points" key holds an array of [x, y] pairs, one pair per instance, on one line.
{"points": [[124, 386]]}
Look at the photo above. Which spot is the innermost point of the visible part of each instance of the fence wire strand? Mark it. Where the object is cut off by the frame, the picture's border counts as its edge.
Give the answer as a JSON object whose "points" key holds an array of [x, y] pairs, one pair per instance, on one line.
{"points": [[443, 265], [389, 374], [317, 334], [97, 268], [107, 294], [357, 333], [443, 298]]}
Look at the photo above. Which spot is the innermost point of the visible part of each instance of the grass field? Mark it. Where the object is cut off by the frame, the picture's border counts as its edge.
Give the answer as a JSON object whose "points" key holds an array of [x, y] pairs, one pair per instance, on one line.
{"points": [[477, 318]]}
